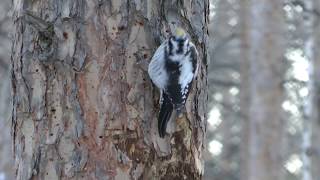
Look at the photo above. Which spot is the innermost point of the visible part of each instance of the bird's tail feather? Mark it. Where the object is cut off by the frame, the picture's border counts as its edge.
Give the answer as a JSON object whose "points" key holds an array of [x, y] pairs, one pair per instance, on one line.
{"points": [[164, 115]]}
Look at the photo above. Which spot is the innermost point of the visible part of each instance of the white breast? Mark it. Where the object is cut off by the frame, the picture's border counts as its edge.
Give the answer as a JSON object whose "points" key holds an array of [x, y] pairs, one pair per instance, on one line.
{"points": [[186, 75]]}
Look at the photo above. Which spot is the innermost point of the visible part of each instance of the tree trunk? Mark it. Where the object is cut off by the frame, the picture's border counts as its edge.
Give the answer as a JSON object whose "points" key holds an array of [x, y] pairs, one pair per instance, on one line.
{"points": [[224, 53], [309, 100], [314, 151], [83, 105], [6, 160], [262, 92]]}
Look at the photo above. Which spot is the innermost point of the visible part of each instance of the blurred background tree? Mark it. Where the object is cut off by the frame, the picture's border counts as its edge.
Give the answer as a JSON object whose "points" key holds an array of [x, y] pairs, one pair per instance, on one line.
{"points": [[263, 122], [263, 90], [6, 160]]}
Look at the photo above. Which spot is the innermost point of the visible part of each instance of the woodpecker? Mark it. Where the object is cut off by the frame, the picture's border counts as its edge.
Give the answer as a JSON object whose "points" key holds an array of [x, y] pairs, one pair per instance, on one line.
{"points": [[172, 70]]}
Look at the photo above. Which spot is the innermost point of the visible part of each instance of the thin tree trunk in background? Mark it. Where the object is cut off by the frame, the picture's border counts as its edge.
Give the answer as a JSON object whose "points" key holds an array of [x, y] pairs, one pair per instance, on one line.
{"points": [[224, 53], [6, 160], [83, 105], [262, 93], [309, 105], [314, 151], [244, 88]]}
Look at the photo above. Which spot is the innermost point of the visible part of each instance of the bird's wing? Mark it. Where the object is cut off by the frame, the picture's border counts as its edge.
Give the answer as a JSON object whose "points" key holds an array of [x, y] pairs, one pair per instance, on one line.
{"points": [[156, 67]]}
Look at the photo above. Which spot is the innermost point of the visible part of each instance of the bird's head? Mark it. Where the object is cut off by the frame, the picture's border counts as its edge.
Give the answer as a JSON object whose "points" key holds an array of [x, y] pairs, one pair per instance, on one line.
{"points": [[178, 42], [179, 33]]}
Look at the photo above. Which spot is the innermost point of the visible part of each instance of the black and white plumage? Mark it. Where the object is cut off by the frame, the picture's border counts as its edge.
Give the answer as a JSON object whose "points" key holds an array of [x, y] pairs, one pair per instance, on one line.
{"points": [[172, 69]]}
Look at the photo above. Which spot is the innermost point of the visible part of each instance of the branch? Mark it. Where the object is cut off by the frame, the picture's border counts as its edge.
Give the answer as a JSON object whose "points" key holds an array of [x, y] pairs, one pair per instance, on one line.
{"points": [[224, 41], [224, 66], [223, 83]]}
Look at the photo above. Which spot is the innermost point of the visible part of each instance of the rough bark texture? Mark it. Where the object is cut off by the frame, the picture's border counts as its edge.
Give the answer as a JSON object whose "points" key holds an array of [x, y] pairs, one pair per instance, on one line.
{"points": [[262, 92], [83, 105]]}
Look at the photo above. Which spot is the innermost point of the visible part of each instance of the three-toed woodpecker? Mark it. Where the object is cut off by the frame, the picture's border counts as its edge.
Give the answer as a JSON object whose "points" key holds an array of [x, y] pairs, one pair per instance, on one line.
{"points": [[172, 69]]}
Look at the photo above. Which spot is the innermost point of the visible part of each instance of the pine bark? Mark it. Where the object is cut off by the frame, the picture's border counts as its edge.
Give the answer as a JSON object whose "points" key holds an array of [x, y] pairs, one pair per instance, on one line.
{"points": [[83, 105]]}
